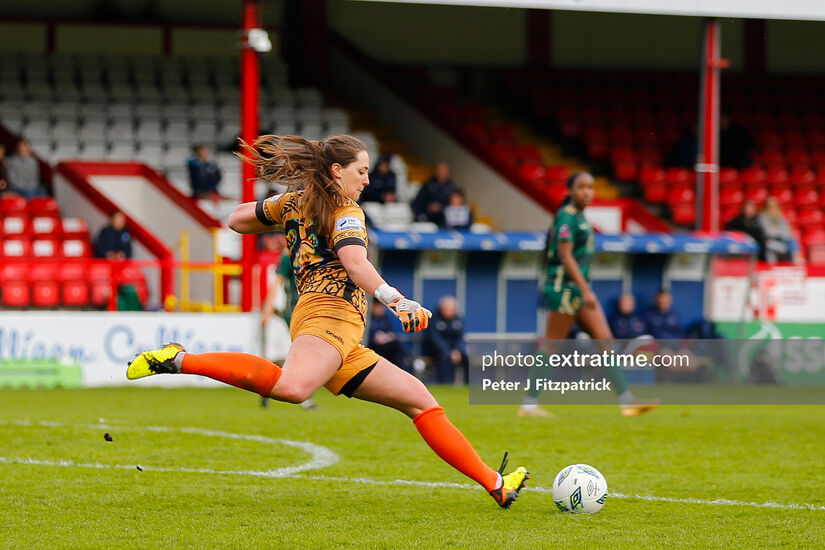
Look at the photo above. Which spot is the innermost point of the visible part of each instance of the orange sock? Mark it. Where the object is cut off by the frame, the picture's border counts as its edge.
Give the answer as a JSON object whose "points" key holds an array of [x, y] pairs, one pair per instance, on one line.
{"points": [[453, 448], [242, 370]]}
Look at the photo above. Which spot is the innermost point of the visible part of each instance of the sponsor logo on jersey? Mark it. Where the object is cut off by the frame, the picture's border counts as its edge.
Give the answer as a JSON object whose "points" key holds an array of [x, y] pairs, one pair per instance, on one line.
{"points": [[348, 222], [564, 231]]}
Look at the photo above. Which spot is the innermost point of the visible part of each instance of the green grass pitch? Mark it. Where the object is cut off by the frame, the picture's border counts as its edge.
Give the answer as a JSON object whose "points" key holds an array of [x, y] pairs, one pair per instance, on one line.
{"points": [[63, 485]]}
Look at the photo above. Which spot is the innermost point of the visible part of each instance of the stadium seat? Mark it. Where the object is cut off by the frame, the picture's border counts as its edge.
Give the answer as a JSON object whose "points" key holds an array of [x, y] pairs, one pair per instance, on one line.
{"points": [[683, 214], [555, 175], [809, 218], [16, 294], [806, 197], [75, 228], [776, 176], [17, 248], [130, 275], [100, 277], [44, 206], [802, 177], [752, 176], [532, 172], [46, 248], [681, 195], [16, 227], [76, 248], [728, 177], [74, 285], [757, 194], [13, 205], [678, 176], [731, 197], [46, 227], [44, 285]]}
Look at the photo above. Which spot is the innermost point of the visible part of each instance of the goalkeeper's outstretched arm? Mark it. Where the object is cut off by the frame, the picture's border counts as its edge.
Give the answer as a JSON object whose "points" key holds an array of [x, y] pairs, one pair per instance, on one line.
{"points": [[413, 316]]}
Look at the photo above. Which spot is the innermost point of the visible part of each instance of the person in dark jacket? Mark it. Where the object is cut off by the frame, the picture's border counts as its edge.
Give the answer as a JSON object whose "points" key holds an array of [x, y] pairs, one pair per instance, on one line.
{"points": [[114, 242], [204, 175], [625, 323], [434, 196], [383, 338], [748, 222], [382, 185], [662, 322], [444, 343]]}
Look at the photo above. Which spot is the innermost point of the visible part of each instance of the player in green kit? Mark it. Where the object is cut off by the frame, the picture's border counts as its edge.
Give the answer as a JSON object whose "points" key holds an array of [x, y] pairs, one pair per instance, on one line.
{"points": [[568, 297]]}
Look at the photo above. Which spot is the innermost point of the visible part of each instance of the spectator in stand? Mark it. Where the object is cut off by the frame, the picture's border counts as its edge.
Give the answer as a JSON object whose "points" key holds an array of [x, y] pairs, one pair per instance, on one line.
{"points": [[204, 175], [383, 337], [114, 242], [382, 183], [748, 222], [626, 324], [4, 175], [777, 232], [434, 196], [457, 214], [736, 144], [24, 172], [662, 323], [685, 151], [444, 342]]}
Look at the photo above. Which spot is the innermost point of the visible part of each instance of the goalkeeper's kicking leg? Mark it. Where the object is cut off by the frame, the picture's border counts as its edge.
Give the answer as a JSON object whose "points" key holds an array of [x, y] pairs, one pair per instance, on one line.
{"points": [[313, 362]]}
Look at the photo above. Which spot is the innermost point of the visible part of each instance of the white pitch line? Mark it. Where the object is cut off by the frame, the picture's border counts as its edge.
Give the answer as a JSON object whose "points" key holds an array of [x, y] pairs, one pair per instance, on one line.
{"points": [[323, 457]]}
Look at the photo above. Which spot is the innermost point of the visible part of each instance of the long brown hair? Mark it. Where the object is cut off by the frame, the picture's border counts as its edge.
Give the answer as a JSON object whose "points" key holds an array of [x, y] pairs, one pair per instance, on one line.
{"points": [[305, 164]]}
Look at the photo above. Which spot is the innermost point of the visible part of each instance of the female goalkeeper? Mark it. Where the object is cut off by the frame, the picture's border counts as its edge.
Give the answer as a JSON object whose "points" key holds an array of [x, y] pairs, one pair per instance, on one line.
{"points": [[327, 241]]}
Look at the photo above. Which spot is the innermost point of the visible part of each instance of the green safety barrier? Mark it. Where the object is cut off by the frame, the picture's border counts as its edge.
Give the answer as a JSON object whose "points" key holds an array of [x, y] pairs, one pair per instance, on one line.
{"points": [[40, 373]]}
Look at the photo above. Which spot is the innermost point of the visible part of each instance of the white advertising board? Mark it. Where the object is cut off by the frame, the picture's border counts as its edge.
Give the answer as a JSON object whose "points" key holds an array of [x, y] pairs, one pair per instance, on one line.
{"points": [[104, 342]]}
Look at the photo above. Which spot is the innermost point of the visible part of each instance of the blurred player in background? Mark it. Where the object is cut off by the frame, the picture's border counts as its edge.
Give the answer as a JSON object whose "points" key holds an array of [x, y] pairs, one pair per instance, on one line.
{"points": [[567, 292], [327, 240]]}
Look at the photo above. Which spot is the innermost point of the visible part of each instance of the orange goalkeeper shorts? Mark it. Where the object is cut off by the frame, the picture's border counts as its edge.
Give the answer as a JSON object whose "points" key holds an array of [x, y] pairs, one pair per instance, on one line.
{"points": [[336, 321]]}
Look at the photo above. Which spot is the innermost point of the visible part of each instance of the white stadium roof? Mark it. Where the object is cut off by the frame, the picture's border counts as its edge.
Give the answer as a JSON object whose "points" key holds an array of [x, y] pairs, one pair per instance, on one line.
{"points": [[761, 9]]}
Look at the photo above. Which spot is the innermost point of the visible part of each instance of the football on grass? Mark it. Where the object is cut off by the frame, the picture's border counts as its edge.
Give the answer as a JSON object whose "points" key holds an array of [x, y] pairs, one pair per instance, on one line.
{"points": [[579, 488]]}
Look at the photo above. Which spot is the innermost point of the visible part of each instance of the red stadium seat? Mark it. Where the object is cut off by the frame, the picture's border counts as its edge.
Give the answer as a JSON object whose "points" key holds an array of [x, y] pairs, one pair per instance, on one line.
{"points": [[17, 248], [651, 174], [532, 172], [16, 294], [684, 214], [776, 176], [74, 284], [757, 195], [45, 291], [75, 228], [678, 176], [731, 197], [555, 194], [728, 177], [76, 248], [797, 158], [656, 193], [46, 248], [44, 206], [554, 175], [802, 177], [504, 152], [16, 227], [752, 176], [100, 276], [809, 217], [13, 205], [625, 170], [681, 195], [46, 226], [806, 197]]}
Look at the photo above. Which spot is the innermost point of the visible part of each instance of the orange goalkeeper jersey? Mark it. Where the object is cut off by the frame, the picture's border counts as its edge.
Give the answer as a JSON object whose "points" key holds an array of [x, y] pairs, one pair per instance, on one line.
{"points": [[314, 257]]}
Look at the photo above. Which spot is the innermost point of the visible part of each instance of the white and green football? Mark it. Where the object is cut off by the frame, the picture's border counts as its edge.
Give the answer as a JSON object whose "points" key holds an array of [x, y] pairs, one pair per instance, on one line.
{"points": [[579, 488]]}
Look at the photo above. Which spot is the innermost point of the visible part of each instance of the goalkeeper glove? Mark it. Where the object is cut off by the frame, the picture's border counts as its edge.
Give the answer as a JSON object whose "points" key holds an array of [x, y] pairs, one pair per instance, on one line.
{"points": [[413, 316]]}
